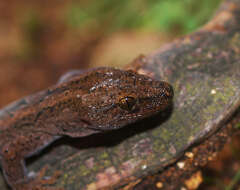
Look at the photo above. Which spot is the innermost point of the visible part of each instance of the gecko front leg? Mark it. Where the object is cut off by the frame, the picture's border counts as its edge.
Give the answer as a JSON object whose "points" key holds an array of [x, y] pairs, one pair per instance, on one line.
{"points": [[12, 160]]}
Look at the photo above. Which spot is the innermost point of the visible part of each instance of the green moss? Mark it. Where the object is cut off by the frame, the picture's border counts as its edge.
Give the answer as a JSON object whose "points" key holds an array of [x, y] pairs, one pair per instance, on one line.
{"points": [[158, 145], [83, 170], [237, 126], [235, 40], [104, 155]]}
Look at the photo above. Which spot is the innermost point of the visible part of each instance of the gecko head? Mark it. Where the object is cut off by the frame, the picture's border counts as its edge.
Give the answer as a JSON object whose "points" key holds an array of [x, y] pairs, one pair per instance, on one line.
{"points": [[116, 98]]}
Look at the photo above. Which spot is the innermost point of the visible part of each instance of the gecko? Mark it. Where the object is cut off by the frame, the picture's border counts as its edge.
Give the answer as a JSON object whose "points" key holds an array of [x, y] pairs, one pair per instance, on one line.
{"points": [[80, 104]]}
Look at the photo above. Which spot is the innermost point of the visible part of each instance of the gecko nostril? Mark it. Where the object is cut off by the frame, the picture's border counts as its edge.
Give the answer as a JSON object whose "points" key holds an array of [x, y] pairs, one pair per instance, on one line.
{"points": [[169, 91]]}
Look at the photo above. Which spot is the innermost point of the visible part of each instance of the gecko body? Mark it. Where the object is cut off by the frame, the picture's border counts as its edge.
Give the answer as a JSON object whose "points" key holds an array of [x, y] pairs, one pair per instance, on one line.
{"points": [[81, 104]]}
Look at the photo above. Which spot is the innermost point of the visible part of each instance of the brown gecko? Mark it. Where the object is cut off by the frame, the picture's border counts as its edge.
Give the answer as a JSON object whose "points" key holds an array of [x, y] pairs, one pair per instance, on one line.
{"points": [[81, 104]]}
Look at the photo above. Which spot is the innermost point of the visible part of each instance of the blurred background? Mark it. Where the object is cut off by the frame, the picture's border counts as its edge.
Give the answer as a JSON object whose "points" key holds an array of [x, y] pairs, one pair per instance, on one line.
{"points": [[40, 40]]}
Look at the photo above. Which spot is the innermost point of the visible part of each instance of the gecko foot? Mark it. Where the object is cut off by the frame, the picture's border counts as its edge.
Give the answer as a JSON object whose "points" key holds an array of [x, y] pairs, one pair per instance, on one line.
{"points": [[39, 183], [49, 181]]}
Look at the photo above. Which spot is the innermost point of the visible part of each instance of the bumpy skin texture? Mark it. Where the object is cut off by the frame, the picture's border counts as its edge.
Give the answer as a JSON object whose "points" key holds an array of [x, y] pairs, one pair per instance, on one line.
{"points": [[81, 104]]}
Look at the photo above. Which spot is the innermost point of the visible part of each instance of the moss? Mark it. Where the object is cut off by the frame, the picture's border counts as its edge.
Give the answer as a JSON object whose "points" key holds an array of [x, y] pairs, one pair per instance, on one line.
{"points": [[235, 40], [237, 126], [104, 155]]}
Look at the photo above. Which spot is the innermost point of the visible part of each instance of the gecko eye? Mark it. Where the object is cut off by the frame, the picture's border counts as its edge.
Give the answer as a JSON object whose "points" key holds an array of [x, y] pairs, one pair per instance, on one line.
{"points": [[127, 103]]}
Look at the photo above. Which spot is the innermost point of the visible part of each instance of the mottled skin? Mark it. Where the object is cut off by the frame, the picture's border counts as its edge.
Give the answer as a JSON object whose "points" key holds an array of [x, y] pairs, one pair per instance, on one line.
{"points": [[79, 105]]}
